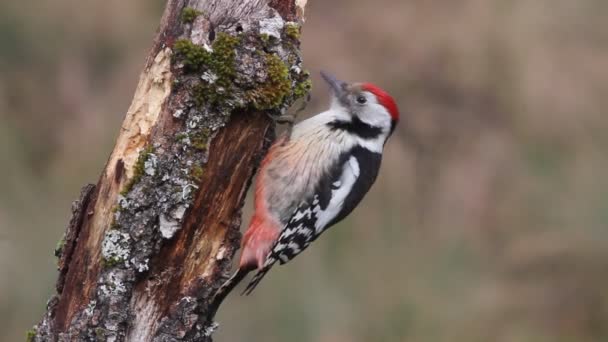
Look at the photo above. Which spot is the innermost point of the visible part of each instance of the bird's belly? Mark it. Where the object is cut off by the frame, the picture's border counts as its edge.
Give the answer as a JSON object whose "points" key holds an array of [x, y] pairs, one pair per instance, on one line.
{"points": [[295, 174]]}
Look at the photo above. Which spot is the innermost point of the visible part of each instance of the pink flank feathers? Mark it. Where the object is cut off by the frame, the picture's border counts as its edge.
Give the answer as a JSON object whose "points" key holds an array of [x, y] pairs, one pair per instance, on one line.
{"points": [[263, 229]]}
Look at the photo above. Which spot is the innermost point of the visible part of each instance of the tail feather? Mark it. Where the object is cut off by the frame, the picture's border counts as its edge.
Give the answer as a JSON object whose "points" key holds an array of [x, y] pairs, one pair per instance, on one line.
{"points": [[257, 278], [225, 289], [233, 281]]}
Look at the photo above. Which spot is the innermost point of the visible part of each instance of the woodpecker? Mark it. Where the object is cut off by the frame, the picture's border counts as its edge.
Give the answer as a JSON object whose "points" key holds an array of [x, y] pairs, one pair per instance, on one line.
{"points": [[313, 177]]}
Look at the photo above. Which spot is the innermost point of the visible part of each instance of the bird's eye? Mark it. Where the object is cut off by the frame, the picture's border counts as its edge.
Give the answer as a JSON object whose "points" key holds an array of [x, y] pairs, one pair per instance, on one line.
{"points": [[361, 99]]}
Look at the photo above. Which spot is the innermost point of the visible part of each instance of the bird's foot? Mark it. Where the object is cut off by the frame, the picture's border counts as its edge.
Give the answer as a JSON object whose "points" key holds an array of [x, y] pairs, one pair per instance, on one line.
{"points": [[289, 119], [285, 119]]}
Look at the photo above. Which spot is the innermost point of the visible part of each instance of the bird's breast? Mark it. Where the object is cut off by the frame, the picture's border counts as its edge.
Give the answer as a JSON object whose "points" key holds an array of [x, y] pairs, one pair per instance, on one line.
{"points": [[296, 168]]}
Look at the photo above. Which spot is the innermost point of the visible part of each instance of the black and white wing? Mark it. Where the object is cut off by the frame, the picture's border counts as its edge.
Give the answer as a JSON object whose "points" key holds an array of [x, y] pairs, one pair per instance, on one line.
{"points": [[348, 182]]}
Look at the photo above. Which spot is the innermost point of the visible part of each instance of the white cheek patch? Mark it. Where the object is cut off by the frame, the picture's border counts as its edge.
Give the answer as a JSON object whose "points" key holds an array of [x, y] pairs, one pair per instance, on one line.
{"points": [[376, 115]]}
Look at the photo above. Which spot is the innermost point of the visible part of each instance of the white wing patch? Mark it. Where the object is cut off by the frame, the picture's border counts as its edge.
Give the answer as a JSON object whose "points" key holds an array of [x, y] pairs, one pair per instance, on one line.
{"points": [[350, 173], [310, 219]]}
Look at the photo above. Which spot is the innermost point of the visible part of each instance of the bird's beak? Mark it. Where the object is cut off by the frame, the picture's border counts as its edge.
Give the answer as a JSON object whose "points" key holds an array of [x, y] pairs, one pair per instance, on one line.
{"points": [[338, 87]]}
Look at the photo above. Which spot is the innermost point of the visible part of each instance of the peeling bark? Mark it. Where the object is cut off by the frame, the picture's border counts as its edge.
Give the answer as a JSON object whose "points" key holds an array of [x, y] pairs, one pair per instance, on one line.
{"points": [[147, 246]]}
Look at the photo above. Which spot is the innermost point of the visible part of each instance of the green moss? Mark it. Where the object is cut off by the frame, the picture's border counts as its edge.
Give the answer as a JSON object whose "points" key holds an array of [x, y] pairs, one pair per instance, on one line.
{"points": [[189, 14], [59, 247], [265, 39], [114, 225], [116, 209], [30, 335], [204, 93], [138, 170], [215, 70], [220, 62], [180, 136], [292, 31], [197, 173], [199, 139], [110, 262], [302, 88], [223, 56], [100, 334], [191, 55], [271, 94]]}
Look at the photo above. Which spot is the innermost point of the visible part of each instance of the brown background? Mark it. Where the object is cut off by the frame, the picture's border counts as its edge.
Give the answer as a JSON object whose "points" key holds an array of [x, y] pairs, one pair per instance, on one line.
{"points": [[489, 221]]}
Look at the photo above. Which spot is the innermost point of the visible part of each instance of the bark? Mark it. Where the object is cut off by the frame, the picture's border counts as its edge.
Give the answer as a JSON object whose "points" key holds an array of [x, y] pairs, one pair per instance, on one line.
{"points": [[149, 244]]}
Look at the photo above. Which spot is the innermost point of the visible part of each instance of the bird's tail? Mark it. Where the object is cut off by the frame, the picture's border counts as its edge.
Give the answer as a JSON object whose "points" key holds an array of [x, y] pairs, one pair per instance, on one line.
{"points": [[257, 278], [233, 281], [225, 289]]}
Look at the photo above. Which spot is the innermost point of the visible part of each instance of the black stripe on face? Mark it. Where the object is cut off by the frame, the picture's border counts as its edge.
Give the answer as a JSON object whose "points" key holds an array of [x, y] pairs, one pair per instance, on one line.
{"points": [[356, 127]]}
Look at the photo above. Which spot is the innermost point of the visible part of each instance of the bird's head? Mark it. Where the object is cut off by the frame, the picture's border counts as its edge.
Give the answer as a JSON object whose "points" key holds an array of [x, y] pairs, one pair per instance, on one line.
{"points": [[364, 103]]}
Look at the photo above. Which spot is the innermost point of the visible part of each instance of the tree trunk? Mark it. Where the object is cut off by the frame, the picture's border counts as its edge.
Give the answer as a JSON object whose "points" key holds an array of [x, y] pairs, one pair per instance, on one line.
{"points": [[147, 246]]}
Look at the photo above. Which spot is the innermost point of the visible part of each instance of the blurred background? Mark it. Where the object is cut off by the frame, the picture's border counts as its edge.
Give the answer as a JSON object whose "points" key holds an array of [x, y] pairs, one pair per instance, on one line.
{"points": [[489, 220]]}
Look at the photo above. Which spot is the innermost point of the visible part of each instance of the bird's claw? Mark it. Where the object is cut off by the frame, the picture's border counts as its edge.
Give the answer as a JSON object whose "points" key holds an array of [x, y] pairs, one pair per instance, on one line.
{"points": [[290, 119], [285, 119]]}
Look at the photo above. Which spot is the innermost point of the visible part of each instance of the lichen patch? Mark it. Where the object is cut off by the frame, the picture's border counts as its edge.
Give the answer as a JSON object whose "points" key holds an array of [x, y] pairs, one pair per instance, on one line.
{"points": [[115, 246], [168, 226], [272, 27]]}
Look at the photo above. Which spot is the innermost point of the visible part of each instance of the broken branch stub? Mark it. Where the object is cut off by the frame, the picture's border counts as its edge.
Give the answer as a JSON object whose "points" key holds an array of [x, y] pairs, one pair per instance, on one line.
{"points": [[151, 242]]}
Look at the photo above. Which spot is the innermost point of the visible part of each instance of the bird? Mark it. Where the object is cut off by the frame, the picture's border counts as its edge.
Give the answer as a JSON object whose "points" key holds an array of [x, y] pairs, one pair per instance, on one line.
{"points": [[313, 177]]}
